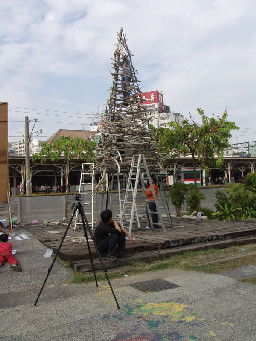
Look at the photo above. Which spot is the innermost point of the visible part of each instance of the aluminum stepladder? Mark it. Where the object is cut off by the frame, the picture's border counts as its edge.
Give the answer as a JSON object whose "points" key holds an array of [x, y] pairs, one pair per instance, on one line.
{"points": [[86, 191], [115, 185], [130, 212]]}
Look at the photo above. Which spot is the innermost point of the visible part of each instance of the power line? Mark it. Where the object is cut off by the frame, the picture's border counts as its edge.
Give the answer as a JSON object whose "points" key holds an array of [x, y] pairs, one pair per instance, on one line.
{"points": [[51, 110], [21, 135]]}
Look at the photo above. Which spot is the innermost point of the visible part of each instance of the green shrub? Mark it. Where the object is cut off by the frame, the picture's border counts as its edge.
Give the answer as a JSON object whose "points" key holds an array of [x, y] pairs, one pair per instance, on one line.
{"points": [[177, 194], [207, 211], [194, 198], [235, 203], [221, 199], [250, 182], [225, 212], [223, 207], [241, 200]]}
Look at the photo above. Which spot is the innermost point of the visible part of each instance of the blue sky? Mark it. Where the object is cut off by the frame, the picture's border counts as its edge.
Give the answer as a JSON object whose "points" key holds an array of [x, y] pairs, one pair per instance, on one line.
{"points": [[55, 58]]}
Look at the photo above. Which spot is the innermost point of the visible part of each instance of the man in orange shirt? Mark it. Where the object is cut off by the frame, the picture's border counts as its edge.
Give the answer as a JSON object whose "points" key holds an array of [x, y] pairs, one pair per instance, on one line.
{"points": [[152, 204]]}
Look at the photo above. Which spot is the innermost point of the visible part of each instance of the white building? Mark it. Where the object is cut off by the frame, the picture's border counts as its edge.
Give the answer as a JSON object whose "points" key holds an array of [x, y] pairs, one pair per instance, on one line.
{"points": [[161, 119], [34, 147], [19, 147], [161, 115]]}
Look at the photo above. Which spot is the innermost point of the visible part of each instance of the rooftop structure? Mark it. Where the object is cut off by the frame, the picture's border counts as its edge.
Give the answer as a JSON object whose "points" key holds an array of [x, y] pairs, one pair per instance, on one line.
{"points": [[82, 134]]}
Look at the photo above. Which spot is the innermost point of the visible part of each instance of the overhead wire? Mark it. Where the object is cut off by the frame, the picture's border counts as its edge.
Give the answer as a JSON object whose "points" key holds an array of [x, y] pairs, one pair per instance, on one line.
{"points": [[32, 112]]}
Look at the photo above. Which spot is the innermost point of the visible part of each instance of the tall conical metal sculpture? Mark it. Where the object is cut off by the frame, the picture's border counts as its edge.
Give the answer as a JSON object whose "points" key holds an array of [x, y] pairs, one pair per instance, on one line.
{"points": [[125, 124]]}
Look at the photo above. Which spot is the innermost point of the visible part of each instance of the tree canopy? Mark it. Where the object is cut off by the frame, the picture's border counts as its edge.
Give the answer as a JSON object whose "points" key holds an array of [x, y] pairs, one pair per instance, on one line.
{"points": [[68, 148], [204, 141]]}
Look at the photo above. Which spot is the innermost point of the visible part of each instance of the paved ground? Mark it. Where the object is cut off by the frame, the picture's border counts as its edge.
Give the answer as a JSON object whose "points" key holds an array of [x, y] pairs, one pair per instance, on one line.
{"points": [[100, 202], [199, 307]]}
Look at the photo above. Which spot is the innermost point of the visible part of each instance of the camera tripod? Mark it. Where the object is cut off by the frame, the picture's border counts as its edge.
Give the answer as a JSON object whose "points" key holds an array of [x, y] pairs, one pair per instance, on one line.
{"points": [[79, 207]]}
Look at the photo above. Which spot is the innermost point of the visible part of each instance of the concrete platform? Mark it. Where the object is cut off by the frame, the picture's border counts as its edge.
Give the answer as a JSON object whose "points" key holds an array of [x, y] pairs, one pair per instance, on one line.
{"points": [[188, 235]]}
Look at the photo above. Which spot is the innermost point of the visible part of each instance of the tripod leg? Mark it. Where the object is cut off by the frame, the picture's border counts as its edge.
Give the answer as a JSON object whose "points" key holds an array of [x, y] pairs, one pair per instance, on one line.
{"points": [[107, 200], [56, 255], [86, 225], [85, 222]]}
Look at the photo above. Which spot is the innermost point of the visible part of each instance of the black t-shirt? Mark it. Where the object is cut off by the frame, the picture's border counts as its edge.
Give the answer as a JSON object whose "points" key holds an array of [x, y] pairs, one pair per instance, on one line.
{"points": [[102, 231]]}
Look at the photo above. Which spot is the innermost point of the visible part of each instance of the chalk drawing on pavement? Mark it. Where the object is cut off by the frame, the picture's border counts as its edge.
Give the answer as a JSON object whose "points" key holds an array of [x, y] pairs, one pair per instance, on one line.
{"points": [[153, 316]]}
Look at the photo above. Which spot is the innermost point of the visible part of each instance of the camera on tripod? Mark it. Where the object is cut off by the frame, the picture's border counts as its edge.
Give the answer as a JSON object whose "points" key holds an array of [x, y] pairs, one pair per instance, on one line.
{"points": [[78, 197], [78, 207]]}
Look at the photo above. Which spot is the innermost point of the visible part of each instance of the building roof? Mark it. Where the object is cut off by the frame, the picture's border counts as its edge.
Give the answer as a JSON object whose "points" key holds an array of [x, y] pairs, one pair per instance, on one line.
{"points": [[82, 134]]}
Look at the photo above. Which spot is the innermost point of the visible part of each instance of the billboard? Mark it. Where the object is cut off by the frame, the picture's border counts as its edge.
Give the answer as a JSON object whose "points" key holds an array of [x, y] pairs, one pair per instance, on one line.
{"points": [[153, 99]]}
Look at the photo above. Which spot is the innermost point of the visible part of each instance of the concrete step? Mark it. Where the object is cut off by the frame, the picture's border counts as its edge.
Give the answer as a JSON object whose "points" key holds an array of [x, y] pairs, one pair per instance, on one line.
{"points": [[150, 256]]}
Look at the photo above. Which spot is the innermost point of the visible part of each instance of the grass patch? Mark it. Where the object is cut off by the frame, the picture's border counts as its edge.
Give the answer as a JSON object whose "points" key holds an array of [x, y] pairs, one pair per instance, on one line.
{"points": [[209, 261], [251, 280], [66, 263], [78, 277], [226, 265]]}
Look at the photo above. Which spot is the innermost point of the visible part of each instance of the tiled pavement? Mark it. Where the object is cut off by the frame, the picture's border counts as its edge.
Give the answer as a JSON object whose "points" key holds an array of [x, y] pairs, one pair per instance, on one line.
{"points": [[188, 235]]}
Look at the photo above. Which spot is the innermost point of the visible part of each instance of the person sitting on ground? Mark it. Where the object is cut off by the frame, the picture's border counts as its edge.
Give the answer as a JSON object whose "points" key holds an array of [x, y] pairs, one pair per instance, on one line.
{"points": [[110, 237], [6, 253]]}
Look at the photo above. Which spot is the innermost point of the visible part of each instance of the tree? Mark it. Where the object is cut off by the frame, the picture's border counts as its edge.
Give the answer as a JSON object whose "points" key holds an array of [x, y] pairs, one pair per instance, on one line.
{"points": [[194, 199], [177, 193], [69, 148], [203, 141]]}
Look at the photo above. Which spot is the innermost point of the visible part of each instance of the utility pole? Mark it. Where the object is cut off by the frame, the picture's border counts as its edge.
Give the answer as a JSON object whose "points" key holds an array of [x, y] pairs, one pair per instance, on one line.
{"points": [[27, 157]]}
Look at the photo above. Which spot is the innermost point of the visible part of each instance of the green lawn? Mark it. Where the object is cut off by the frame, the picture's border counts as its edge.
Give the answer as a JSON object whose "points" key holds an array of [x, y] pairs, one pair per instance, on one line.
{"points": [[209, 261]]}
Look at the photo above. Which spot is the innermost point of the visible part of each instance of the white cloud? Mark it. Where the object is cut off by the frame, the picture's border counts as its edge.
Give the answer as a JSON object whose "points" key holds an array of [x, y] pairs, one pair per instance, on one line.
{"points": [[56, 55]]}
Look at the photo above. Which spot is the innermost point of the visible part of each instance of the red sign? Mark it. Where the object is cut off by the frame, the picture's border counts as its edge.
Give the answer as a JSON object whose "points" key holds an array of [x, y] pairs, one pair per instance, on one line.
{"points": [[153, 99]]}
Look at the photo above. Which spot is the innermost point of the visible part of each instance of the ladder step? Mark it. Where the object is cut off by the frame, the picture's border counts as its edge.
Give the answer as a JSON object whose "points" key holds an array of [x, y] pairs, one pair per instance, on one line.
{"points": [[137, 205]]}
